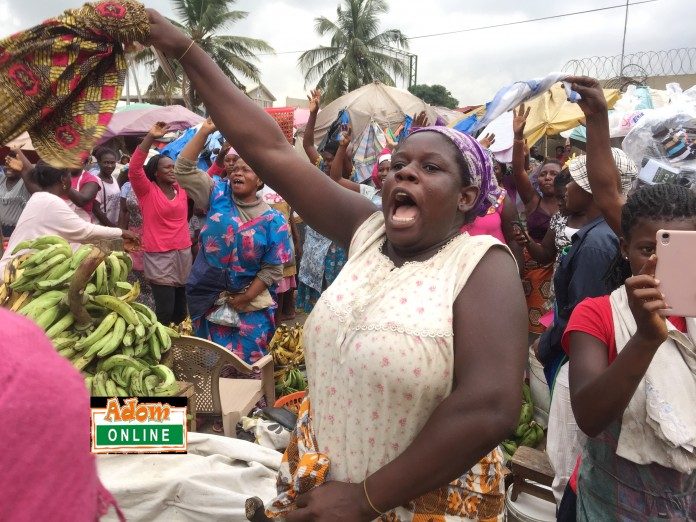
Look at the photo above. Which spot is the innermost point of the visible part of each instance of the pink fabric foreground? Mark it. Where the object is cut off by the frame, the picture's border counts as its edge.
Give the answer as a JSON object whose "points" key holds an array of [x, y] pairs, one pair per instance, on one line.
{"points": [[46, 469]]}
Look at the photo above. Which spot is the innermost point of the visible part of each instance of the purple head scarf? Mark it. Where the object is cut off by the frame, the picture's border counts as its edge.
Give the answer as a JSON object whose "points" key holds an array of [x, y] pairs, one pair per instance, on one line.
{"points": [[479, 161]]}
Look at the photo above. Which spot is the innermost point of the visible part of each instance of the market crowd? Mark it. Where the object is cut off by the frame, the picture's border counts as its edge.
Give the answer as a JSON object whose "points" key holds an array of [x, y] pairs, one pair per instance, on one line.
{"points": [[428, 289]]}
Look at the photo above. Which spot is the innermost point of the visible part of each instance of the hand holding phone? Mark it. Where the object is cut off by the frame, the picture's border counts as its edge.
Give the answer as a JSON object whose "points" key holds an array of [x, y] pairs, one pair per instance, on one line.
{"points": [[676, 250]]}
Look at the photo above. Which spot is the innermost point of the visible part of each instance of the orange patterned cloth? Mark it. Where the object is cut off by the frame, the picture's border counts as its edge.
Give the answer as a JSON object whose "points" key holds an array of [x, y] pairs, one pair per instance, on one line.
{"points": [[61, 80], [476, 495]]}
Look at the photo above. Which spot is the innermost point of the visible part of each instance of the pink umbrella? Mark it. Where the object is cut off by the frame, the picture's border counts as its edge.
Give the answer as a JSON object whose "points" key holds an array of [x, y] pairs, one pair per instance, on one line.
{"points": [[139, 121]]}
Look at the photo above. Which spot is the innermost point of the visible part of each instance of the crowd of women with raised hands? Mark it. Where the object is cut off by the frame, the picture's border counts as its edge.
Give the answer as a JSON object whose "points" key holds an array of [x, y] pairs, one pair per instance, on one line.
{"points": [[419, 331]]}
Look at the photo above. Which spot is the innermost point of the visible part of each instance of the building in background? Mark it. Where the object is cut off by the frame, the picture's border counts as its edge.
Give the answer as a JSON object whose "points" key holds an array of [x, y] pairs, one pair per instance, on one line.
{"points": [[262, 96]]}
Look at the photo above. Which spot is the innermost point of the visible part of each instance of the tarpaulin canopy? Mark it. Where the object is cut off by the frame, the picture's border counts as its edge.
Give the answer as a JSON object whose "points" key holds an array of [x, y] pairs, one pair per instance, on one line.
{"points": [[552, 113], [386, 106], [138, 121]]}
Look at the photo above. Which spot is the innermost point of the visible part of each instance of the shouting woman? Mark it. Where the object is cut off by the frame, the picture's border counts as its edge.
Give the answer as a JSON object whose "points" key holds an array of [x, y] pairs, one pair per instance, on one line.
{"points": [[412, 310]]}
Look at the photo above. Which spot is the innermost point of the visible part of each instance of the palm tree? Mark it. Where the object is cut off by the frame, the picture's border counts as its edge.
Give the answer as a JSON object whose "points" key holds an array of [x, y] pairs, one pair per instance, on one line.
{"points": [[202, 21], [358, 53]]}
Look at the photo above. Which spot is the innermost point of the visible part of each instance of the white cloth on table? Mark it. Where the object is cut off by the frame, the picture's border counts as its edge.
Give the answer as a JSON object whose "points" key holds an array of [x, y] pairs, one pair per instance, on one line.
{"points": [[211, 482]]}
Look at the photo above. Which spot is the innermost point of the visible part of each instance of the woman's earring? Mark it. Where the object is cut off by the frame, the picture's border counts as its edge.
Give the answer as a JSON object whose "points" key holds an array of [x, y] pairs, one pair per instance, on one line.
{"points": [[65, 187]]}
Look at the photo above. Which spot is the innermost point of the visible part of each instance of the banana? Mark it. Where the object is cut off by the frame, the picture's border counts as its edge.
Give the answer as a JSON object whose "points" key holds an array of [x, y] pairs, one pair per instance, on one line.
{"points": [[173, 334], [7, 273], [116, 337], [127, 373], [95, 348], [55, 283], [80, 255], [90, 288], [48, 317], [124, 269], [123, 287], [128, 339], [132, 294], [45, 266], [141, 349], [111, 390], [155, 350], [165, 375], [125, 361], [4, 293], [63, 342], [88, 384], [40, 243], [121, 392], [82, 362], [169, 391], [145, 310], [58, 270], [140, 331], [100, 277], [128, 350], [61, 325], [116, 375], [118, 306], [101, 330], [67, 352], [99, 384], [526, 393], [150, 382], [126, 259], [114, 270], [144, 318], [21, 299], [165, 341], [38, 257], [46, 300], [136, 383]]}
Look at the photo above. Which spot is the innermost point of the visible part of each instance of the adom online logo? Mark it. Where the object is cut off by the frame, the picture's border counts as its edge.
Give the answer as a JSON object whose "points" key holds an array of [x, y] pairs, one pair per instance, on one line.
{"points": [[155, 425]]}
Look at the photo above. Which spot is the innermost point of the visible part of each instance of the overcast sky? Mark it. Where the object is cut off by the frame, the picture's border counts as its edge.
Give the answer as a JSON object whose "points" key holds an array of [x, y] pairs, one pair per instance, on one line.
{"points": [[472, 65]]}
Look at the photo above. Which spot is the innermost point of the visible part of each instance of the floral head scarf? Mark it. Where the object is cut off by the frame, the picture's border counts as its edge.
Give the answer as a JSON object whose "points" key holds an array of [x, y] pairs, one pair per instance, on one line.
{"points": [[480, 163], [61, 80]]}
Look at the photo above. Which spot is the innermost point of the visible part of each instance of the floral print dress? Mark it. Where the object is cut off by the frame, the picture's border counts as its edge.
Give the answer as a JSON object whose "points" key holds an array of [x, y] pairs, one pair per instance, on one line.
{"points": [[380, 359], [235, 249]]}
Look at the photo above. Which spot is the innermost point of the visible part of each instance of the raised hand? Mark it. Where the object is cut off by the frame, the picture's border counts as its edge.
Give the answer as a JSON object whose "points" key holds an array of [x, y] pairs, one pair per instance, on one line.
{"points": [[647, 302], [593, 101], [487, 140], [165, 37], [208, 126], [158, 130], [420, 120], [314, 100], [14, 164], [519, 120], [346, 137]]}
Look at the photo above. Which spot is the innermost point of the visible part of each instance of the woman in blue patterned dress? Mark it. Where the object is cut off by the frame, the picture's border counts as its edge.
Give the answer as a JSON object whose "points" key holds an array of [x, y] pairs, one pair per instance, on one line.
{"points": [[243, 246], [322, 259]]}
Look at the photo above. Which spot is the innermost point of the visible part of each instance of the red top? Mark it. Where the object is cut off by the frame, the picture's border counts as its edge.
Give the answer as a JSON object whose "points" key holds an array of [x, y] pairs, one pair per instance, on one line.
{"points": [[77, 182], [215, 170], [165, 223], [593, 316]]}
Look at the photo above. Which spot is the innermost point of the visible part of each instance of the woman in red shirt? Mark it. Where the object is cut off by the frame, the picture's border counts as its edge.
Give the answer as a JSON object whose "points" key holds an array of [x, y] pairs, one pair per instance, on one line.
{"points": [[166, 239], [631, 388]]}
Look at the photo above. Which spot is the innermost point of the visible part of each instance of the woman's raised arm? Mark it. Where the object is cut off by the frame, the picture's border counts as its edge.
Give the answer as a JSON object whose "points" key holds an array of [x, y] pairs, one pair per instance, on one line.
{"points": [[259, 140]]}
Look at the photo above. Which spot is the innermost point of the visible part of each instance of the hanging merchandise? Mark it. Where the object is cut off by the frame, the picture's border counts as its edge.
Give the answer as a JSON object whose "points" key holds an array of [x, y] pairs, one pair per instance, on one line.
{"points": [[663, 143], [371, 143], [332, 138]]}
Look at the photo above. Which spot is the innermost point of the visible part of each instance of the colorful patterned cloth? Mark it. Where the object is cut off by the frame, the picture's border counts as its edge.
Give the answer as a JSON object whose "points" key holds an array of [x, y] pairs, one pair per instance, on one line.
{"points": [[480, 164], [238, 249], [61, 80], [331, 265], [475, 495]]}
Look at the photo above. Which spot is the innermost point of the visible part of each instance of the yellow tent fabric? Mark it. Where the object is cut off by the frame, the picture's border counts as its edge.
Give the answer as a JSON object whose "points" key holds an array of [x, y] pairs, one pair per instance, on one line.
{"points": [[552, 113]]}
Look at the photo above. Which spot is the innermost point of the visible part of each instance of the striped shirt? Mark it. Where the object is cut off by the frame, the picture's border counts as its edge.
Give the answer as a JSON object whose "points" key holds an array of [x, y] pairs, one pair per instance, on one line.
{"points": [[12, 201]]}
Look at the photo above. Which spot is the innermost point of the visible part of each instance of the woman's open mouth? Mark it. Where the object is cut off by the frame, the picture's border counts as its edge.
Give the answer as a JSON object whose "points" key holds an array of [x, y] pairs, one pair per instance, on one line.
{"points": [[404, 209], [238, 182]]}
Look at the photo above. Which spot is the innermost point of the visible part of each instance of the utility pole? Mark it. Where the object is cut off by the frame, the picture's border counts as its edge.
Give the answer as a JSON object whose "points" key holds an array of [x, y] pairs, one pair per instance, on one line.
{"points": [[623, 43]]}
